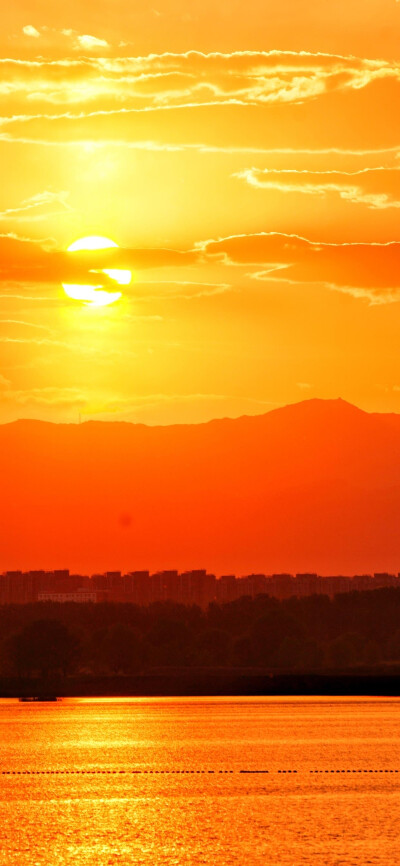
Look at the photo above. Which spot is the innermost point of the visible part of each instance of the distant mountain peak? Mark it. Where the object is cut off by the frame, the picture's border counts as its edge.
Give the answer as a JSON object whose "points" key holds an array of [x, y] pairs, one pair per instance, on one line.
{"points": [[312, 486], [318, 406], [320, 409]]}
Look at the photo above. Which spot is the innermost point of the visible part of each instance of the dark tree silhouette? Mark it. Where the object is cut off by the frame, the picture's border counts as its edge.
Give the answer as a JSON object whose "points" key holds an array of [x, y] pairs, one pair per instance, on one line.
{"points": [[213, 646], [242, 651], [345, 650], [121, 649], [269, 632], [288, 654], [43, 647], [306, 634]]}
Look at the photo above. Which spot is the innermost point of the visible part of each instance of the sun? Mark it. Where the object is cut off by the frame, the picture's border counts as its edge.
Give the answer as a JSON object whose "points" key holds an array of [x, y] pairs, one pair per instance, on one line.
{"points": [[97, 295]]}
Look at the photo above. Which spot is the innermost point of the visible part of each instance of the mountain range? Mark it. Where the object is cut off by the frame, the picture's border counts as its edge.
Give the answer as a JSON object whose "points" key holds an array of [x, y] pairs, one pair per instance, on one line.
{"points": [[313, 486]]}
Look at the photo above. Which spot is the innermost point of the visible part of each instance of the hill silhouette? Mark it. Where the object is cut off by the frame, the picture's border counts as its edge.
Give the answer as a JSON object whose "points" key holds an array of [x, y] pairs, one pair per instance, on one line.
{"points": [[313, 486]]}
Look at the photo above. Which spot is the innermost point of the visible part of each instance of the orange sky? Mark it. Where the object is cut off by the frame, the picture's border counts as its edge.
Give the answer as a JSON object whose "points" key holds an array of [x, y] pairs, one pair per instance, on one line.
{"points": [[246, 158]]}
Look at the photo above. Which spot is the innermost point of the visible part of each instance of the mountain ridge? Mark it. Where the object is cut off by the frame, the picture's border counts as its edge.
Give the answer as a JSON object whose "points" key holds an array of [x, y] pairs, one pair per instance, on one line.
{"points": [[313, 486], [313, 401]]}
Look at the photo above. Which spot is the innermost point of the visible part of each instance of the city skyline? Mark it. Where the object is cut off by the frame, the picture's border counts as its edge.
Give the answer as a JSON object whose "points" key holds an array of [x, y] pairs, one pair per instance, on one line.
{"points": [[195, 587]]}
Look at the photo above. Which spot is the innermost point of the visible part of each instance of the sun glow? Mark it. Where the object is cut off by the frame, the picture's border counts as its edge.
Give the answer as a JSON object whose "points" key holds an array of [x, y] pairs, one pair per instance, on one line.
{"points": [[97, 295]]}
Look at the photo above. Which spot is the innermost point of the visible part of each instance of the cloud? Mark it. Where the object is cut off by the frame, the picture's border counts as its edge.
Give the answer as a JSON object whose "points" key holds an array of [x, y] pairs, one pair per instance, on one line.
{"points": [[159, 146], [37, 207], [96, 144], [35, 343], [149, 408], [79, 40], [190, 79], [21, 324], [91, 43], [376, 297], [156, 408], [155, 290], [364, 186], [31, 31], [49, 397], [364, 270], [23, 260]]}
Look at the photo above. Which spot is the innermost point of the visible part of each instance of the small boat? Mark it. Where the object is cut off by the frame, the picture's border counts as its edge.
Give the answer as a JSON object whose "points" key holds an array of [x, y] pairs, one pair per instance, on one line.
{"points": [[39, 699]]}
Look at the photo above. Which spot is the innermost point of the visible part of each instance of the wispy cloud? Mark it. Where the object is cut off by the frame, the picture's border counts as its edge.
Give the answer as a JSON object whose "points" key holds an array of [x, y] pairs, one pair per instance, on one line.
{"points": [[149, 408], [74, 347], [90, 43], [99, 144], [25, 261], [37, 207], [31, 31], [48, 397], [358, 187], [190, 79], [79, 41], [153, 290], [21, 324], [364, 270]]}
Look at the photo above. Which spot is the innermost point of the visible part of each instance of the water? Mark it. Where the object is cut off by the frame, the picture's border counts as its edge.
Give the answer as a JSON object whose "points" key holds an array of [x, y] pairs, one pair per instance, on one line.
{"points": [[161, 781]]}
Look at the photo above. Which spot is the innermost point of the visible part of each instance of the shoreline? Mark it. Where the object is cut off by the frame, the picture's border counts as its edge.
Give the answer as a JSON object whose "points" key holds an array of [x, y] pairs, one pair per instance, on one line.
{"points": [[207, 684]]}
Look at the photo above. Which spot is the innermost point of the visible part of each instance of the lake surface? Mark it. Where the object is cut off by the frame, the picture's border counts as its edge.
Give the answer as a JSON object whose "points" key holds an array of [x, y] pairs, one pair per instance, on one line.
{"points": [[200, 781]]}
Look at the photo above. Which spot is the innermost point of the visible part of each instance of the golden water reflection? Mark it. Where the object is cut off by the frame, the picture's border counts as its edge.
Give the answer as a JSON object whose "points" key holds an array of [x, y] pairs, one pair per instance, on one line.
{"points": [[160, 781]]}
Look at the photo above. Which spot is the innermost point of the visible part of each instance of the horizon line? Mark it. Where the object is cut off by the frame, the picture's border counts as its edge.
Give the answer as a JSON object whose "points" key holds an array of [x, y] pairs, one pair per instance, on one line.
{"points": [[199, 572], [277, 408]]}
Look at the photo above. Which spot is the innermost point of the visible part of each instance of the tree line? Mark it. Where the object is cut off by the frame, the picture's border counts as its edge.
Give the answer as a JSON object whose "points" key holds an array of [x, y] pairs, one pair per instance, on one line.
{"points": [[299, 634]]}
